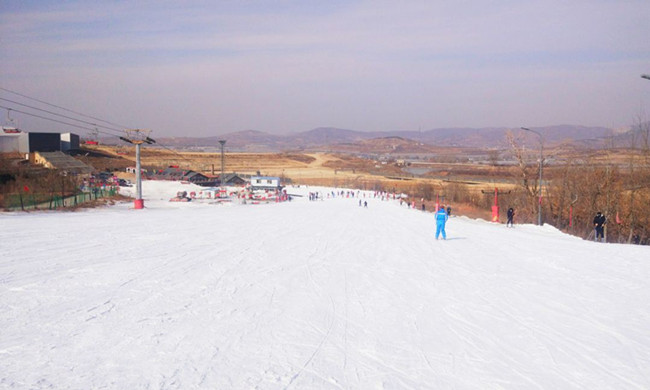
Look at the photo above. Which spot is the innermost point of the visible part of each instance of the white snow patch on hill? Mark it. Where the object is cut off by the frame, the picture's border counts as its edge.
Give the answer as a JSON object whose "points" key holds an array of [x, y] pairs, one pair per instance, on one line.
{"points": [[308, 295]]}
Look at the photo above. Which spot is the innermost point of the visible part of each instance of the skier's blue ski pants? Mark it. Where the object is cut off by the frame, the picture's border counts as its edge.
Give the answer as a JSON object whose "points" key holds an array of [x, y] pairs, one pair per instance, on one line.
{"points": [[440, 228]]}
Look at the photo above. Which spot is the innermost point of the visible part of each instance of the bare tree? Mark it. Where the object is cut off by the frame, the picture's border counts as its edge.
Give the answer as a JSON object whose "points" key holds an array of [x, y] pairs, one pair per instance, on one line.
{"points": [[525, 174], [493, 157]]}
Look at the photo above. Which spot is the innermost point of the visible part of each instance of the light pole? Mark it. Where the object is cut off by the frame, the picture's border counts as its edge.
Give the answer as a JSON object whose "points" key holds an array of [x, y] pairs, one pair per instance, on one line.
{"points": [[222, 142], [541, 159]]}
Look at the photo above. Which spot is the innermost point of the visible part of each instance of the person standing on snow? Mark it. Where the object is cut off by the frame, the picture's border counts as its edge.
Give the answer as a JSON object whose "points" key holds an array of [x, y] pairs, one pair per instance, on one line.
{"points": [[441, 220], [511, 215], [599, 225]]}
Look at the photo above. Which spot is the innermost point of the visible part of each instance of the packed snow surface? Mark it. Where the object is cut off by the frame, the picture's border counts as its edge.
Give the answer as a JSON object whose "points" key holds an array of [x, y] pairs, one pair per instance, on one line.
{"points": [[313, 295]]}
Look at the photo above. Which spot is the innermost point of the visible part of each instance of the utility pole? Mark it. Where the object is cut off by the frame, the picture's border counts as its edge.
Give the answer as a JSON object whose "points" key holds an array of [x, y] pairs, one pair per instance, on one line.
{"points": [[541, 160], [138, 137], [223, 160]]}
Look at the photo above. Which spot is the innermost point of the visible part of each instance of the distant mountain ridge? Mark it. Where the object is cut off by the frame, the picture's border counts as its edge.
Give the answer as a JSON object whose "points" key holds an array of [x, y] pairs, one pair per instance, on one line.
{"points": [[330, 137]]}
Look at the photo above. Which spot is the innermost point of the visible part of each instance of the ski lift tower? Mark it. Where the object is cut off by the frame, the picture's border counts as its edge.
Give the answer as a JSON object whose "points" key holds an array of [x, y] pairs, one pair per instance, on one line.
{"points": [[138, 137]]}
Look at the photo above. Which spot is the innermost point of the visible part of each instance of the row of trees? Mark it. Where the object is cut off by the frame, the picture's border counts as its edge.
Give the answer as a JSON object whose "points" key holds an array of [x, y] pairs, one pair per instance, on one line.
{"points": [[618, 185], [615, 182]]}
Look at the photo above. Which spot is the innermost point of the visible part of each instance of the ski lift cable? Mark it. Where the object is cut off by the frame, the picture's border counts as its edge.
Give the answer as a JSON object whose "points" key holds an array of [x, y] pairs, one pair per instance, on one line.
{"points": [[61, 115], [142, 136], [57, 121], [175, 152], [77, 113], [63, 108]]}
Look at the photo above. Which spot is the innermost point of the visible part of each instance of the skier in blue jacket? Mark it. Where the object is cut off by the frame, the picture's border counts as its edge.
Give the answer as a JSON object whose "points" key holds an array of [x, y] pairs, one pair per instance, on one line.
{"points": [[441, 219]]}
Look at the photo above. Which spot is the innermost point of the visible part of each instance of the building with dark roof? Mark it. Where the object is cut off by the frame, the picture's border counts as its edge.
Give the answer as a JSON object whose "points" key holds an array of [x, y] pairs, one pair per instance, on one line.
{"points": [[233, 179], [174, 173]]}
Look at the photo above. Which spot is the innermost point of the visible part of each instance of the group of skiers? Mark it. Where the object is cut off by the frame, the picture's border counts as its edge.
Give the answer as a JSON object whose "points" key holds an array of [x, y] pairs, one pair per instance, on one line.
{"points": [[599, 224], [442, 215]]}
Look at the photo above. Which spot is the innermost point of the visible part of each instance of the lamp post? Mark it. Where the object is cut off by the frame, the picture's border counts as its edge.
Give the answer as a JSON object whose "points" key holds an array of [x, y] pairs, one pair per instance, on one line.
{"points": [[541, 159], [222, 142]]}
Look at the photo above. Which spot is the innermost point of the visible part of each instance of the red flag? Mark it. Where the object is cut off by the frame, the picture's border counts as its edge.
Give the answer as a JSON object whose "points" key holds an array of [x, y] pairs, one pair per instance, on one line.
{"points": [[26, 189]]}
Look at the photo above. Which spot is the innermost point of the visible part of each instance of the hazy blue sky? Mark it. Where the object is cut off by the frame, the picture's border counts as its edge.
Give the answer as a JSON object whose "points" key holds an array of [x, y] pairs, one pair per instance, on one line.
{"points": [[211, 67]]}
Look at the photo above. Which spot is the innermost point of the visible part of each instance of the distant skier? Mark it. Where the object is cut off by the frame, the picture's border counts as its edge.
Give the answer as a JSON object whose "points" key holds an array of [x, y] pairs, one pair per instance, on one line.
{"points": [[511, 215], [441, 219], [422, 206], [448, 211], [365, 204], [599, 226]]}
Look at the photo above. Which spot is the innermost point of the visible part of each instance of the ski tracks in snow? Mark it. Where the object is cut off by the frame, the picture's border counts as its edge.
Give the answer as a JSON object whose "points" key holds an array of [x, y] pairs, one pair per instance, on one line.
{"points": [[314, 295]]}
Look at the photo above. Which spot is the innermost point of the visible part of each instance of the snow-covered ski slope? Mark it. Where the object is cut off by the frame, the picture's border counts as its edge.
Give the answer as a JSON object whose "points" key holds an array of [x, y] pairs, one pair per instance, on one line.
{"points": [[313, 295]]}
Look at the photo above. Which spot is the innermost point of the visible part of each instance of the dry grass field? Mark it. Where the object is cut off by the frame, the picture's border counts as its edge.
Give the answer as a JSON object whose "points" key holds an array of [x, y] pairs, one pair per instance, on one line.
{"points": [[307, 168]]}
